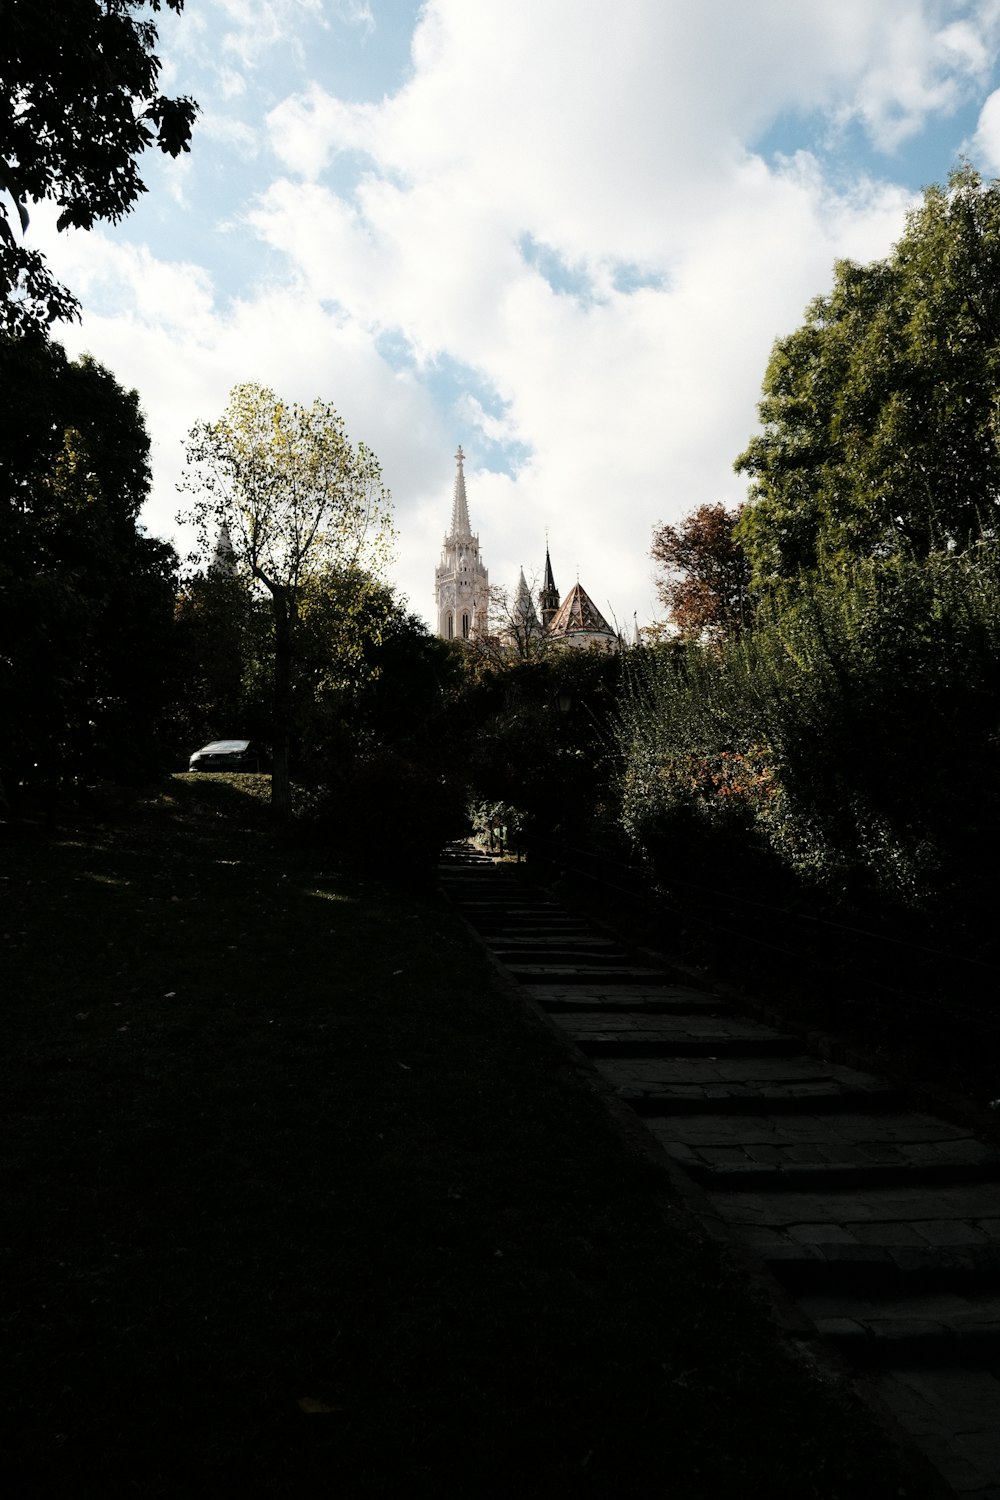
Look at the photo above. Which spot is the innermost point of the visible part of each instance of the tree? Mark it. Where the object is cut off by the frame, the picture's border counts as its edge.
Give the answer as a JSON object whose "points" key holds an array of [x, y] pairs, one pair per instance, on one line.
{"points": [[880, 417], [223, 641], [78, 105], [86, 600], [297, 499], [705, 579]]}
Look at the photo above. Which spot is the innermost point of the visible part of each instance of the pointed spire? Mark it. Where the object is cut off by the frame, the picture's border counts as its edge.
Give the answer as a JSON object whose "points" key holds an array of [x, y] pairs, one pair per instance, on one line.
{"points": [[460, 508], [550, 584], [525, 618], [548, 595], [223, 555]]}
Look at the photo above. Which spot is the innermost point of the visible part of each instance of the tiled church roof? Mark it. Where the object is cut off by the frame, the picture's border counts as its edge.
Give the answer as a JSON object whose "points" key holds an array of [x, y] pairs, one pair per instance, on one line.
{"points": [[578, 612]]}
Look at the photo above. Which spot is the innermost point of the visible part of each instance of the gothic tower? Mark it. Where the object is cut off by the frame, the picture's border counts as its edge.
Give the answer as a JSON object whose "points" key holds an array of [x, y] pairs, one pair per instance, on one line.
{"points": [[548, 594], [461, 583]]}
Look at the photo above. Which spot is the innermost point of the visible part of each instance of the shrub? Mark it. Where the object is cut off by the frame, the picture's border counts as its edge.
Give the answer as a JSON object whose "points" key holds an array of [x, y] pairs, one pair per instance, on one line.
{"points": [[387, 815], [853, 737]]}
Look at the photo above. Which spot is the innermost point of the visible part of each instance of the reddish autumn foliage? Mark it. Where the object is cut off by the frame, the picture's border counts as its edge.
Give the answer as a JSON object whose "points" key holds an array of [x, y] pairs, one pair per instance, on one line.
{"points": [[705, 577]]}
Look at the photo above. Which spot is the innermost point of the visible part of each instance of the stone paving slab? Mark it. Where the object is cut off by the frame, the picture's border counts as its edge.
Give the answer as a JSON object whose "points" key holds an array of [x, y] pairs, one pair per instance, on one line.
{"points": [[826, 1254], [559, 974], [800, 1073], [540, 921], [558, 942], [755, 1152], [833, 1131], [700, 1027], [623, 996], [589, 961], [511, 935]]}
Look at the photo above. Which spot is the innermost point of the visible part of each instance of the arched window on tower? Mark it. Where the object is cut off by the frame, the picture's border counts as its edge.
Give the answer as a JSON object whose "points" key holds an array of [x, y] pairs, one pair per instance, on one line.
{"points": [[451, 626], [465, 627]]}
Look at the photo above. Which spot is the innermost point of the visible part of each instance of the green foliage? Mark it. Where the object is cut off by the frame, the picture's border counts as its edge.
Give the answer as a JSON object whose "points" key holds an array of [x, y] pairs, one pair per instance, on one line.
{"points": [[224, 643], [387, 814], [534, 736], [86, 600], [879, 414], [78, 104], [852, 740], [305, 511], [497, 825]]}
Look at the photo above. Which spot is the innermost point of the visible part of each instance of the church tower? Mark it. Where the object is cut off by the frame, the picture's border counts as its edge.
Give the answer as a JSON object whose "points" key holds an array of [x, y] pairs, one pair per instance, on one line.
{"points": [[548, 594], [461, 583]]}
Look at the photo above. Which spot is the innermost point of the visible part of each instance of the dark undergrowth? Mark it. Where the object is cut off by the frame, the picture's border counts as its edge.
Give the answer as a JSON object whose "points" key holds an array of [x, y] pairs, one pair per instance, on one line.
{"points": [[295, 1204]]}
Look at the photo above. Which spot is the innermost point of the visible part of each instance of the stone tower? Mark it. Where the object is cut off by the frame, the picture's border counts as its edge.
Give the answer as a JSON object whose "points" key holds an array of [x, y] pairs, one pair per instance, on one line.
{"points": [[461, 583]]}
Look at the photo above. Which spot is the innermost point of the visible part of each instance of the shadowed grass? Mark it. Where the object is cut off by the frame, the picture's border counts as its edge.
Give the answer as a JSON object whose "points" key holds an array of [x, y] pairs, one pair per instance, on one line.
{"points": [[271, 1138]]}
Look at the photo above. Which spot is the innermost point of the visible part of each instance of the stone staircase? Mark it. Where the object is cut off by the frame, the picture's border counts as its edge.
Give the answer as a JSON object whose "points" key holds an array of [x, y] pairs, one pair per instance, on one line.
{"points": [[879, 1219]]}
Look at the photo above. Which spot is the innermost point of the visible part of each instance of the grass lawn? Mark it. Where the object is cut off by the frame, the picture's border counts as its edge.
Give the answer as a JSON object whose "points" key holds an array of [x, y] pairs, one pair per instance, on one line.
{"points": [[295, 1204]]}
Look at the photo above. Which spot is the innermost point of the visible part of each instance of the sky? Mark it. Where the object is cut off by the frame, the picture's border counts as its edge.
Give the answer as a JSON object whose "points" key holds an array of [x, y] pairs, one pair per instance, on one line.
{"points": [[561, 233]]}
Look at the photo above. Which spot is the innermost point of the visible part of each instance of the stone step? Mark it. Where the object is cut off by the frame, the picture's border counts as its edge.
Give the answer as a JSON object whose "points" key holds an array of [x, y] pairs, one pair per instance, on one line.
{"points": [[918, 1216], [817, 1258], [583, 956], [581, 973], [553, 944], [768, 1085], [759, 1177], [820, 1153], [940, 1327], [514, 932], [708, 1036], [640, 999]]}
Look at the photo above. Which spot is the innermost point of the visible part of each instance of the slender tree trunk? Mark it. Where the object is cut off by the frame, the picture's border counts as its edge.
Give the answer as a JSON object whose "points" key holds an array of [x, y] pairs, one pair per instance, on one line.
{"points": [[281, 786]]}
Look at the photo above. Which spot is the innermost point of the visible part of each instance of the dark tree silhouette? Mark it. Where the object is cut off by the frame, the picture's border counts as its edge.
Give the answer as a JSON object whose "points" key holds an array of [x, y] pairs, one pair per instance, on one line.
{"points": [[78, 105], [86, 600]]}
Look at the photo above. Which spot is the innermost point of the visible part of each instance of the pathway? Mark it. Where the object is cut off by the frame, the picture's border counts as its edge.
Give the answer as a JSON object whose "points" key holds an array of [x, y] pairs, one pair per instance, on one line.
{"points": [[882, 1221]]}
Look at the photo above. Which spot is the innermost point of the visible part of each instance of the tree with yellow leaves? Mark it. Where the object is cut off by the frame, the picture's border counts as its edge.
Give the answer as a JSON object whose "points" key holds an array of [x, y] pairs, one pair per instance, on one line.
{"points": [[298, 500]]}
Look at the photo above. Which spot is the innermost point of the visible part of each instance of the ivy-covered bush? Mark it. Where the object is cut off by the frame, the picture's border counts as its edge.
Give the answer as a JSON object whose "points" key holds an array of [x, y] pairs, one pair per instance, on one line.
{"points": [[852, 740]]}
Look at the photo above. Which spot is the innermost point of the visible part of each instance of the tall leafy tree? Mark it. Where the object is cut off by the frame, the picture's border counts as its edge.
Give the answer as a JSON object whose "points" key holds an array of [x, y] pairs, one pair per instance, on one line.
{"points": [[704, 579], [880, 429], [79, 103], [86, 599], [297, 499]]}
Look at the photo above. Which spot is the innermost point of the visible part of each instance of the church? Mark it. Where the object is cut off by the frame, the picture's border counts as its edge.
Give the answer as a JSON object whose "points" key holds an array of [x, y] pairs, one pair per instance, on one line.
{"points": [[462, 593]]}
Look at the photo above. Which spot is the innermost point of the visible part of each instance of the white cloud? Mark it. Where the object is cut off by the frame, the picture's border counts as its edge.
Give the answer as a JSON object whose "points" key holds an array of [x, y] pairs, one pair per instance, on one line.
{"points": [[307, 129], [253, 27], [610, 139], [986, 142], [230, 131]]}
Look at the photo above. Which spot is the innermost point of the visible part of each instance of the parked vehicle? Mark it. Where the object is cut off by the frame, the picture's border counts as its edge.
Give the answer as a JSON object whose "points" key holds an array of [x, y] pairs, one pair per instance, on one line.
{"points": [[227, 755]]}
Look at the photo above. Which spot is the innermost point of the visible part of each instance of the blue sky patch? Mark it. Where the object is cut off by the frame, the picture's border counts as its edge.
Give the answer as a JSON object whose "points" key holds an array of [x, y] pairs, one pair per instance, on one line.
{"points": [[565, 279], [847, 153], [452, 385], [629, 277]]}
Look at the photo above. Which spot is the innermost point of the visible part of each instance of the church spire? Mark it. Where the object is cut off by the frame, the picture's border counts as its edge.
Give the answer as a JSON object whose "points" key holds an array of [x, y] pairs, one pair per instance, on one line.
{"points": [[548, 594], [461, 582], [460, 509]]}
